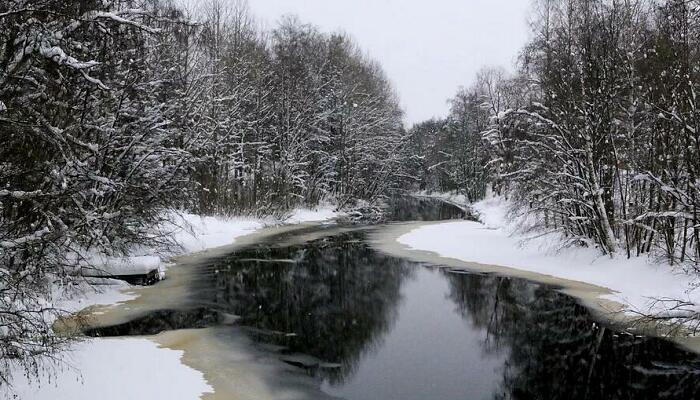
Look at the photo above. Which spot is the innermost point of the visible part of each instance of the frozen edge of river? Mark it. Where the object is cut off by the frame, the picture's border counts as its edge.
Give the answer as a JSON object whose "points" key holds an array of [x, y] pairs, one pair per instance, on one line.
{"points": [[141, 367], [634, 285]]}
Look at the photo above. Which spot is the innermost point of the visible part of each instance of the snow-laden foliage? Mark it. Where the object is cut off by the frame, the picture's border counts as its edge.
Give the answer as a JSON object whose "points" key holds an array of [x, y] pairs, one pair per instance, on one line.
{"points": [[87, 160], [115, 113], [598, 134], [448, 155], [288, 119], [608, 153]]}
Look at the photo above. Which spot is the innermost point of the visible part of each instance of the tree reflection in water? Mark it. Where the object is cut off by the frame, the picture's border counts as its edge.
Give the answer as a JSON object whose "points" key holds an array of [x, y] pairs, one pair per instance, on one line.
{"points": [[556, 351], [333, 299], [407, 208], [337, 300]]}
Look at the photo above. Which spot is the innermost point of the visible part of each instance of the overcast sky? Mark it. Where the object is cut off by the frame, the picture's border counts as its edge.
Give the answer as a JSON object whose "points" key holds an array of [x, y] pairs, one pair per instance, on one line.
{"points": [[428, 48]]}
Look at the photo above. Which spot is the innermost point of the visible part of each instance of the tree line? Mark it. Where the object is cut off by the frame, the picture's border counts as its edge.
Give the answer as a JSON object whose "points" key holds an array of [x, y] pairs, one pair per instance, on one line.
{"points": [[597, 134], [115, 112]]}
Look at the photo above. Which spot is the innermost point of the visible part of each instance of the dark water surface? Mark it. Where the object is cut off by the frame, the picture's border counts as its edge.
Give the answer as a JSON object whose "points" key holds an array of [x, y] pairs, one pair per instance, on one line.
{"points": [[407, 208], [371, 326]]}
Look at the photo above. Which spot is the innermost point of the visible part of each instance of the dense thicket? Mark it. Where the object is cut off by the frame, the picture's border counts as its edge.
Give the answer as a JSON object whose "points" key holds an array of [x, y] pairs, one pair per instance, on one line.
{"points": [[450, 154], [87, 157], [291, 117], [598, 134], [114, 112]]}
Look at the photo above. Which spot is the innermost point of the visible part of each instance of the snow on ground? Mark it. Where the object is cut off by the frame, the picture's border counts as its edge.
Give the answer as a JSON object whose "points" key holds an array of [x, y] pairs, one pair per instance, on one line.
{"points": [[101, 292], [196, 233], [637, 282], [117, 369], [138, 369], [193, 233], [137, 264], [319, 214], [201, 233]]}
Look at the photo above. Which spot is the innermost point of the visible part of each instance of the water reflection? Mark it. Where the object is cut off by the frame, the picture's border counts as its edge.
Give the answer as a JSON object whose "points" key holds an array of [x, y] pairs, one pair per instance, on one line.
{"points": [[409, 208], [391, 325], [333, 300], [556, 351], [370, 326]]}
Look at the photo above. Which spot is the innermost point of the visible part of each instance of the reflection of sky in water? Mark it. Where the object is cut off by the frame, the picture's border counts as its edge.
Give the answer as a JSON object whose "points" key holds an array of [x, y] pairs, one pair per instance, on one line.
{"points": [[431, 352]]}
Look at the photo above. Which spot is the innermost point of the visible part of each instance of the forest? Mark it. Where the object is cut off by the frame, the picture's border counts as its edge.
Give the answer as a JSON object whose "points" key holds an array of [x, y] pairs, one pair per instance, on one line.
{"points": [[115, 113], [112, 113], [597, 134]]}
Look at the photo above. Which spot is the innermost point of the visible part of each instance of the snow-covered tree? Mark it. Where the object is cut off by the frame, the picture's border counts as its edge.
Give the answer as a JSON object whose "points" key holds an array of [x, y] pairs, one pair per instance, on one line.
{"points": [[87, 163], [597, 133]]}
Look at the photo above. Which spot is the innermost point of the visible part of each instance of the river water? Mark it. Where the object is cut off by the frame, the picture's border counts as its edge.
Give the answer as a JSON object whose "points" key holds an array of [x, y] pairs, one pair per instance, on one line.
{"points": [[365, 325]]}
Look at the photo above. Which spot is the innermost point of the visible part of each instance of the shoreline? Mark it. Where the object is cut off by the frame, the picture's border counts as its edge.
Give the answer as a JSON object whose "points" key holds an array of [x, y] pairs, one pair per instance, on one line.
{"points": [[386, 240], [242, 374], [84, 367], [247, 373]]}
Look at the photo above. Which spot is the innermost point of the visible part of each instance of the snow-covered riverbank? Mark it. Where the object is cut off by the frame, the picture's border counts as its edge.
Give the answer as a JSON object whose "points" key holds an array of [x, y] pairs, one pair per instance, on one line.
{"points": [[194, 233], [117, 369], [139, 368], [638, 284]]}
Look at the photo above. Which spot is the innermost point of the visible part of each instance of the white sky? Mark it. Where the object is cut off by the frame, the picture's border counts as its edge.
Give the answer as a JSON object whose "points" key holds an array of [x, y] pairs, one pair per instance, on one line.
{"points": [[428, 48]]}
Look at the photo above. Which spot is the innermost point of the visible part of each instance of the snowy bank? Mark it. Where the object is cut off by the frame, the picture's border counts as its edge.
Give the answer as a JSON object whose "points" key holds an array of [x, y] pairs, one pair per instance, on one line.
{"points": [[116, 369], [201, 233], [94, 292], [194, 233], [138, 368], [197, 233], [320, 214], [638, 285]]}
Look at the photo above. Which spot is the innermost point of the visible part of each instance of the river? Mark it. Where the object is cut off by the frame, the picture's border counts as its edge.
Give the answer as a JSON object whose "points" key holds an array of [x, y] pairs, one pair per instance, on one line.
{"points": [[334, 317]]}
